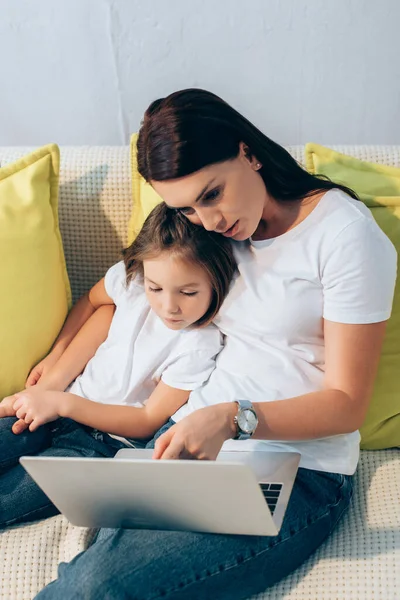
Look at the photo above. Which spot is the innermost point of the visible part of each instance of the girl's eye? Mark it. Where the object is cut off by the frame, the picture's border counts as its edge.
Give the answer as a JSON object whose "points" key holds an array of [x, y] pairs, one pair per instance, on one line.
{"points": [[189, 293], [151, 289]]}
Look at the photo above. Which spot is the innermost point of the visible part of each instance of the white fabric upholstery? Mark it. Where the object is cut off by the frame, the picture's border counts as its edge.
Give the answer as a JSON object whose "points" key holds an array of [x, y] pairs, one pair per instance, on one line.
{"points": [[361, 560], [29, 555]]}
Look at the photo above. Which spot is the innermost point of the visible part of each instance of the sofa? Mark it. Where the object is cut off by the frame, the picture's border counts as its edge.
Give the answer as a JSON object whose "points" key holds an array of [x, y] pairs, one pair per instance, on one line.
{"points": [[360, 561]]}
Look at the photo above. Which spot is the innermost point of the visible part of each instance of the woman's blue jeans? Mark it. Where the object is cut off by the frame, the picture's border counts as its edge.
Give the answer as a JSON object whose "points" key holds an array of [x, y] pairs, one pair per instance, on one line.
{"points": [[139, 564]]}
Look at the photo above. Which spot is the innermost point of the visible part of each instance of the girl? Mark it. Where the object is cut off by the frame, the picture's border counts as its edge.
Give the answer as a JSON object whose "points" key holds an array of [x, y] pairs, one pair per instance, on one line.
{"points": [[160, 346]]}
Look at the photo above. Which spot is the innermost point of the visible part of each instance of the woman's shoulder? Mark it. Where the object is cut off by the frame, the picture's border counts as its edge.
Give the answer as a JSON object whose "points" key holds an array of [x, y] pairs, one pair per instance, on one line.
{"points": [[341, 210], [339, 219], [348, 218]]}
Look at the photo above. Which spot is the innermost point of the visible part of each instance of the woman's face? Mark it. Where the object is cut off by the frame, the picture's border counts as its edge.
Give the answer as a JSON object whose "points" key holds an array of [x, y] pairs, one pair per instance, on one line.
{"points": [[227, 197]]}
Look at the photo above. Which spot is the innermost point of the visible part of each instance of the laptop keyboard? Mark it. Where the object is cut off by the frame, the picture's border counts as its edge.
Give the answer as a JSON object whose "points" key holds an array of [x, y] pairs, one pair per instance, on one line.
{"points": [[271, 493]]}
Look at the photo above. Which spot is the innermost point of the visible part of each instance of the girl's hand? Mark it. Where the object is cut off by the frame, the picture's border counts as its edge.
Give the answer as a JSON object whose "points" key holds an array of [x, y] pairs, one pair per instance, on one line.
{"points": [[35, 407], [41, 369], [6, 407], [199, 435]]}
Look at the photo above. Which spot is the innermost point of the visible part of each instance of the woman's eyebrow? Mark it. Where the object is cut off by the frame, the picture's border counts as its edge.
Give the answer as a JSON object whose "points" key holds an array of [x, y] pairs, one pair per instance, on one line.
{"points": [[204, 190]]}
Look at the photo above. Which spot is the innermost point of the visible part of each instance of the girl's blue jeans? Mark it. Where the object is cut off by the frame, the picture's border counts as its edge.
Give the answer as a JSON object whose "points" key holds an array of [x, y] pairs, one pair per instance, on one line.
{"points": [[139, 564]]}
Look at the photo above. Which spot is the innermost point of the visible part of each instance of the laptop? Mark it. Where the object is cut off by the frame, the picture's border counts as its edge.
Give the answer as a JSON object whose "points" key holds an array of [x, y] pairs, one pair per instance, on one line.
{"points": [[244, 493]]}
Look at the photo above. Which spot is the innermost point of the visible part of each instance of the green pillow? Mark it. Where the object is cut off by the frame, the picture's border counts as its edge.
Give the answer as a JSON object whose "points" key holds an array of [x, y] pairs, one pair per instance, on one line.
{"points": [[378, 186]]}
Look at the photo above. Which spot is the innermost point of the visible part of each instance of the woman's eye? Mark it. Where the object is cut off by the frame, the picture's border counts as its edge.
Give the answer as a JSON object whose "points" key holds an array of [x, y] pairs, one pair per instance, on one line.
{"points": [[151, 289], [186, 210], [189, 293], [212, 195]]}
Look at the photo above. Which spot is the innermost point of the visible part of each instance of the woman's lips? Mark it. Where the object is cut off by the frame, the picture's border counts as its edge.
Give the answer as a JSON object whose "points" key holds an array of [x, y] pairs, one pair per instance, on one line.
{"points": [[232, 230]]}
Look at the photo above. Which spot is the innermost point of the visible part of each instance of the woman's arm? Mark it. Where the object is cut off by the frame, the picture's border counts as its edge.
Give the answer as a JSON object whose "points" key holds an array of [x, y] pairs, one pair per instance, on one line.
{"points": [[76, 318], [80, 350], [351, 361], [36, 407], [60, 366]]}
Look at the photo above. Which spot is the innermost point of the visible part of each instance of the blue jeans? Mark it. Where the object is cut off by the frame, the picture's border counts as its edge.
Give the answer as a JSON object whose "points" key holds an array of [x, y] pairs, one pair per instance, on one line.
{"points": [[125, 564], [21, 500]]}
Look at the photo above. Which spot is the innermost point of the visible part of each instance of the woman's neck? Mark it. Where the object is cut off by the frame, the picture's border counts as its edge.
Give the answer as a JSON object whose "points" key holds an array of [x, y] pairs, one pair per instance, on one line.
{"points": [[280, 217]]}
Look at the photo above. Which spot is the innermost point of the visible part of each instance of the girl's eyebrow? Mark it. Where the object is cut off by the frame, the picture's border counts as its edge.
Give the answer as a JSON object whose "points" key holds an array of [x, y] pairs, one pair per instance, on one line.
{"points": [[151, 281], [193, 284]]}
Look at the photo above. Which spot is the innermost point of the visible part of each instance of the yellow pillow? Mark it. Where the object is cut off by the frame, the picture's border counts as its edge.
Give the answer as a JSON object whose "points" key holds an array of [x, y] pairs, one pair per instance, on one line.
{"points": [[143, 195], [35, 292], [379, 187]]}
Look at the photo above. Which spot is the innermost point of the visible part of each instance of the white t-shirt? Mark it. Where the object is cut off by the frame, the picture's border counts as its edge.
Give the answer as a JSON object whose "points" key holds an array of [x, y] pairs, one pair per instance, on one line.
{"points": [[337, 265], [140, 350]]}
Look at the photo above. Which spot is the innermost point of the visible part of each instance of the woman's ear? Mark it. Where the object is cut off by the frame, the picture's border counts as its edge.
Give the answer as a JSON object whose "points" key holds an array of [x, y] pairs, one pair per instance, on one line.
{"points": [[244, 152]]}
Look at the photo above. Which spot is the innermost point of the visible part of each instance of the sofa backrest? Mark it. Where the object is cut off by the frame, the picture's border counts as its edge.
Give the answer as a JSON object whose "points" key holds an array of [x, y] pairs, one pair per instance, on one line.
{"points": [[95, 202]]}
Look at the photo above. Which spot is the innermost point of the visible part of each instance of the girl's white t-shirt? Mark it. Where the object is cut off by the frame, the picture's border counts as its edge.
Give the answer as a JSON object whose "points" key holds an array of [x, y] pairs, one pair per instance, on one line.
{"points": [[337, 265], [140, 350]]}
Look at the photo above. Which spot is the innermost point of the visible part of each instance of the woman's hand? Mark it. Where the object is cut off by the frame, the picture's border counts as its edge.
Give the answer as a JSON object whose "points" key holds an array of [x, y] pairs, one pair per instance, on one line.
{"points": [[35, 407], [199, 435], [41, 369]]}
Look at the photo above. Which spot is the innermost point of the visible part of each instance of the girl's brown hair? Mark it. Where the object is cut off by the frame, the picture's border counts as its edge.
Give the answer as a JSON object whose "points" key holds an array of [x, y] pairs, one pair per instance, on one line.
{"points": [[166, 230], [193, 128]]}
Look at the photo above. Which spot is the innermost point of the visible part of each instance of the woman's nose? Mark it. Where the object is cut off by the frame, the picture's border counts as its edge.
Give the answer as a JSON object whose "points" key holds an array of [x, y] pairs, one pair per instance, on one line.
{"points": [[210, 219]]}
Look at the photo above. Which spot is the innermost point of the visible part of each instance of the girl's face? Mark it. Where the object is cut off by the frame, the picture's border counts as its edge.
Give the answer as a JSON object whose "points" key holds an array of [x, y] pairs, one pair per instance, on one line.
{"points": [[178, 291], [227, 197]]}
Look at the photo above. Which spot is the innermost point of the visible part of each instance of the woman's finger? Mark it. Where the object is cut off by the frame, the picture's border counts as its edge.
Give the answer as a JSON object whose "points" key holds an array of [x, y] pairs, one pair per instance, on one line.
{"points": [[174, 450], [162, 443]]}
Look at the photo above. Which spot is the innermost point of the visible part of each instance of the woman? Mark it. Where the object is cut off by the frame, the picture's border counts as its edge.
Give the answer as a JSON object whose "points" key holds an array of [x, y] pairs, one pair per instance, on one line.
{"points": [[304, 324]]}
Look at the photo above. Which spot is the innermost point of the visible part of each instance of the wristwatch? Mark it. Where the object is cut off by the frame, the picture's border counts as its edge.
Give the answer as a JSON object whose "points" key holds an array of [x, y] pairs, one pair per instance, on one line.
{"points": [[246, 420]]}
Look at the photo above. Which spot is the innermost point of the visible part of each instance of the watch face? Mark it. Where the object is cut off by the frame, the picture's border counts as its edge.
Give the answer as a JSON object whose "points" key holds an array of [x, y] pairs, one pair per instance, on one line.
{"points": [[247, 421]]}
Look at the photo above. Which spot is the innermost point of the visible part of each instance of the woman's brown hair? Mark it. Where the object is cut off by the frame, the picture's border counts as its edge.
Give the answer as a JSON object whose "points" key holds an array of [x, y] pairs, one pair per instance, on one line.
{"points": [[193, 128], [166, 230]]}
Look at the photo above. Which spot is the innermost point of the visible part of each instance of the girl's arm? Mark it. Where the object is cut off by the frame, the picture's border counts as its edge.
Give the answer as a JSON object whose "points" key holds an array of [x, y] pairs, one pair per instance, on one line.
{"points": [[77, 317], [81, 349], [127, 421], [36, 407]]}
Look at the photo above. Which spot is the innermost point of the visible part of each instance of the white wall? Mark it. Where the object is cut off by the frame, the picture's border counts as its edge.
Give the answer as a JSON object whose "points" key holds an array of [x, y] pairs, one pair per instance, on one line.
{"points": [[83, 71]]}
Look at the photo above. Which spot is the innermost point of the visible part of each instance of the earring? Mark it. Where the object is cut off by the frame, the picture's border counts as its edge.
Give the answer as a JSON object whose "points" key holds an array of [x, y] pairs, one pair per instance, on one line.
{"points": [[258, 165]]}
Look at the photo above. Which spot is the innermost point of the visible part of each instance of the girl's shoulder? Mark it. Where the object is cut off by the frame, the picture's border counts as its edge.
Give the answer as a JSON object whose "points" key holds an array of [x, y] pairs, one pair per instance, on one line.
{"points": [[201, 338], [117, 287]]}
